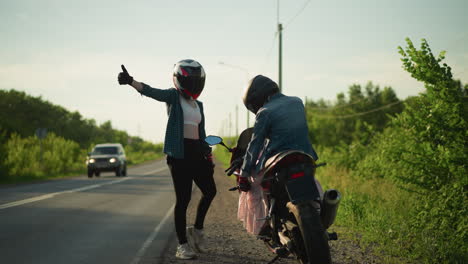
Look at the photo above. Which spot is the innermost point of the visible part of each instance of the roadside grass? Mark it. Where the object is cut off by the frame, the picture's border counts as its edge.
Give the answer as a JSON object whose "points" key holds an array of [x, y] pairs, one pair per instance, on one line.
{"points": [[134, 158], [28, 178], [373, 212], [25, 178], [222, 155], [366, 211]]}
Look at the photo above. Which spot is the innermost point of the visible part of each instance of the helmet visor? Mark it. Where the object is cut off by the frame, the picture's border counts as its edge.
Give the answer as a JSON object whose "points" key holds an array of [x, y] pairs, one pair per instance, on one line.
{"points": [[193, 84]]}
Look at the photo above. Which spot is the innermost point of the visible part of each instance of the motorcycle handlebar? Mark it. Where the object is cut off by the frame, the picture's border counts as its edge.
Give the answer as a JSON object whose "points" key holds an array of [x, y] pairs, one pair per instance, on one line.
{"points": [[320, 164], [230, 171], [236, 164]]}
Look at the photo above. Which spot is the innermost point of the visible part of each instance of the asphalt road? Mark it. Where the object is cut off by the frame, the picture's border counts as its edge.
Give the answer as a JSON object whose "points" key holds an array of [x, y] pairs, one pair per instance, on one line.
{"points": [[80, 220]]}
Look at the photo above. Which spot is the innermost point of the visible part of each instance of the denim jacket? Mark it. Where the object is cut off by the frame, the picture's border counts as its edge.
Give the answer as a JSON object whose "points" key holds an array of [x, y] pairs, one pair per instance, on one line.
{"points": [[279, 125], [174, 138]]}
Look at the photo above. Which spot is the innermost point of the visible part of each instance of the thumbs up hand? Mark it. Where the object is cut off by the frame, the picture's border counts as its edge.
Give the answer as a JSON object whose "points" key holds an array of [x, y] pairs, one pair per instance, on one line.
{"points": [[124, 77]]}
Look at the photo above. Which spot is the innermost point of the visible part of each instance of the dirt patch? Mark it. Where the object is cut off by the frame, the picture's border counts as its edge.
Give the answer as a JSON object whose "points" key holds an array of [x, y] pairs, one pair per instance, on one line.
{"points": [[229, 243]]}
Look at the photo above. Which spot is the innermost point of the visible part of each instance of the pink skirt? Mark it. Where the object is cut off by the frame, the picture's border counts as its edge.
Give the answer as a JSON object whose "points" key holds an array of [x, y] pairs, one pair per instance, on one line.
{"points": [[253, 206]]}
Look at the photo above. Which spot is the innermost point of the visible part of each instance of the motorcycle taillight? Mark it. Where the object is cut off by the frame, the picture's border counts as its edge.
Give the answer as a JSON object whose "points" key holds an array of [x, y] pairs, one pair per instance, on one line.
{"points": [[297, 175]]}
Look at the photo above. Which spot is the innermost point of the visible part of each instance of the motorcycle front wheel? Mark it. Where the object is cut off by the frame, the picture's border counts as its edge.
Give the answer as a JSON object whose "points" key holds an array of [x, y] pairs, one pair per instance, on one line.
{"points": [[312, 237]]}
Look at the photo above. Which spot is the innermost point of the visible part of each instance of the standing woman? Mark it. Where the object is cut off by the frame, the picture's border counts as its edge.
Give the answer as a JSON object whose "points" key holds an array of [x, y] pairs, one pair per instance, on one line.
{"points": [[188, 155]]}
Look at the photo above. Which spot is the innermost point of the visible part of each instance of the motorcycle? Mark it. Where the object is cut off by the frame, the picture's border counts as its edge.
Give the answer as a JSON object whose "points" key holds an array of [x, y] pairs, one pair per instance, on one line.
{"points": [[298, 216]]}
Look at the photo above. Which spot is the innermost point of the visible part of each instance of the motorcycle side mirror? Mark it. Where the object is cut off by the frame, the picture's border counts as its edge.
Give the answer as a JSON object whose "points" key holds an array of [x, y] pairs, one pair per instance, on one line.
{"points": [[214, 140]]}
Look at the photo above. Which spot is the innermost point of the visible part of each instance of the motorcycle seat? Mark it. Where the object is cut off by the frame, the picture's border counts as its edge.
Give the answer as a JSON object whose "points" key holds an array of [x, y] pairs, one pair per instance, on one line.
{"points": [[277, 158]]}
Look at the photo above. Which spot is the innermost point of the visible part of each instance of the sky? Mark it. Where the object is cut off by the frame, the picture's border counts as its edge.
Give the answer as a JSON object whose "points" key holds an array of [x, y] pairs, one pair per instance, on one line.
{"points": [[70, 52]]}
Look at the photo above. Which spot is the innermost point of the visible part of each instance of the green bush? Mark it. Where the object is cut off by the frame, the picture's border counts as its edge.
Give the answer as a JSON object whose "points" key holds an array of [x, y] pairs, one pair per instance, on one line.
{"points": [[143, 151], [32, 158], [424, 151], [405, 188]]}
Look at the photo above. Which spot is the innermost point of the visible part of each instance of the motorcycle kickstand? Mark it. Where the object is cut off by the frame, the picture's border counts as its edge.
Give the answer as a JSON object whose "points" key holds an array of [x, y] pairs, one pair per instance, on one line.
{"points": [[274, 259]]}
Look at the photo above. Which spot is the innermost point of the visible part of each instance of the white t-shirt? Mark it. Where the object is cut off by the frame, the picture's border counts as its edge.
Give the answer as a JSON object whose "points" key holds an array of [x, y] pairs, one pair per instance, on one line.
{"points": [[192, 117]]}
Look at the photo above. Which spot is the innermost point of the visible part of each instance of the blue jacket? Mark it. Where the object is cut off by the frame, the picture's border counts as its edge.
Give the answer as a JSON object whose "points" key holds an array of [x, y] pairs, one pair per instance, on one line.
{"points": [[279, 125], [174, 139]]}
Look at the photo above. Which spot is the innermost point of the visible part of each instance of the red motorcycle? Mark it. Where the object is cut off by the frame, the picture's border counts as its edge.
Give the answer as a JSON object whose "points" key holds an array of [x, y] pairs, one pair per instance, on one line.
{"points": [[298, 215]]}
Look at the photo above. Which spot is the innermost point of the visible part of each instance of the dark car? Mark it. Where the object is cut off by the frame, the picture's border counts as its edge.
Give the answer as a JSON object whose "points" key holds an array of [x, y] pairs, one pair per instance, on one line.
{"points": [[107, 157]]}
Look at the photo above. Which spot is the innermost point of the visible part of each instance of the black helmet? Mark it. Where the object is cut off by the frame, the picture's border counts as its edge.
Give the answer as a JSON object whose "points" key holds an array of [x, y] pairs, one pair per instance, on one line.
{"points": [[189, 78], [258, 91]]}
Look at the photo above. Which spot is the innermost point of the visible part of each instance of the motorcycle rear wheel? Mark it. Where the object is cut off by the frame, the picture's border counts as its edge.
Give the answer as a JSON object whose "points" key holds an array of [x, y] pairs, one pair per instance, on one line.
{"points": [[312, 237]]}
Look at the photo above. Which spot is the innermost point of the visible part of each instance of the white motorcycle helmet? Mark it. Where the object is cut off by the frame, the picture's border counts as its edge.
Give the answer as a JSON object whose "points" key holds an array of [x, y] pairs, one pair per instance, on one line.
{"points": [[189, 78]]}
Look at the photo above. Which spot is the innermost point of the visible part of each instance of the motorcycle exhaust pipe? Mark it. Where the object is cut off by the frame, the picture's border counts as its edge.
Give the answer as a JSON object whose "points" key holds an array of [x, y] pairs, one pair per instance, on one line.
{"points": [[331, 200]]}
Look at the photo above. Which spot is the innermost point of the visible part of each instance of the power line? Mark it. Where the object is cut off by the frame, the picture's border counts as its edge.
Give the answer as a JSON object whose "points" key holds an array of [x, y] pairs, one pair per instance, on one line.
{"points": [[297, 14], [339, 106], [359, 114], [247, 73], [268, 55]]}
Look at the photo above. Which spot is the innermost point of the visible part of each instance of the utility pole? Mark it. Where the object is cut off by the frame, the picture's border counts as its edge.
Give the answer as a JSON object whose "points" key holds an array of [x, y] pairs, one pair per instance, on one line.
{"points": [[237, 120], [247, 75], [280, 47], [230, 125], [224, 127], [305, 109], [280, 57]]}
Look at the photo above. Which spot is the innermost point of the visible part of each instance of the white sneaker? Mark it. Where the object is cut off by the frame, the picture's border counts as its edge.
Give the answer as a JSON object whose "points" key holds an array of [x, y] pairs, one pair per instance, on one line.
{"points": [[196, 239], [184, 251]]}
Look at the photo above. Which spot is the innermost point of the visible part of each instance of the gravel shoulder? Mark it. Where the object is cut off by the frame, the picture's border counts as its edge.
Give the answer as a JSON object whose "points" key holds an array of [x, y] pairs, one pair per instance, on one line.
{"points": [[230, 243]]}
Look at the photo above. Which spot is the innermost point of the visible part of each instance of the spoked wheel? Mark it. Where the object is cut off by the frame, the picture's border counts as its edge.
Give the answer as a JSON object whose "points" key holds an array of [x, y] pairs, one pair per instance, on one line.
{"points": [[310, 241]]}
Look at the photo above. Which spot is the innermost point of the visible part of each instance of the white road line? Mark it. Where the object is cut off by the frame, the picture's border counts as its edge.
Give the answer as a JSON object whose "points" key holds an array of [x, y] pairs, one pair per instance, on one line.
{"points": [[156, 171], [152, 236], [50, 195], [155, 232]]}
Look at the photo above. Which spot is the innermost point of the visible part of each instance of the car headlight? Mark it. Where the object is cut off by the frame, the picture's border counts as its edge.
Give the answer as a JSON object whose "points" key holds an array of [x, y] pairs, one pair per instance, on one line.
{"points": [[91, 161], [112, 160]]}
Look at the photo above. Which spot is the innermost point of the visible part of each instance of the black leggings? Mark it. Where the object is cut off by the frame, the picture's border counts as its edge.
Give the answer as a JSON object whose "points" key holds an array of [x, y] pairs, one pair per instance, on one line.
{"points": [[194, 167]]}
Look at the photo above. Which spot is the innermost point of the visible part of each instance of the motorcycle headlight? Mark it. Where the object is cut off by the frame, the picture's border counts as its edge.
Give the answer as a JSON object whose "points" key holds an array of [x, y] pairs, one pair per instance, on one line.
{"points": [[91, 161], [112, 160]]}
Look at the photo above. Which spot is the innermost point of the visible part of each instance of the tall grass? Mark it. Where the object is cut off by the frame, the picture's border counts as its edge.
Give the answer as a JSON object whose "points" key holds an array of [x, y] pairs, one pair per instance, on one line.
{"points": [[222, 155], [375, 212]]}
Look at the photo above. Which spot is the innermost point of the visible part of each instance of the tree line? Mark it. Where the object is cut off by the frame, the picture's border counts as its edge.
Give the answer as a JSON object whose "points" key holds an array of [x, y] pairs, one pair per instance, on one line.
{"points": [[70, 136]]}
